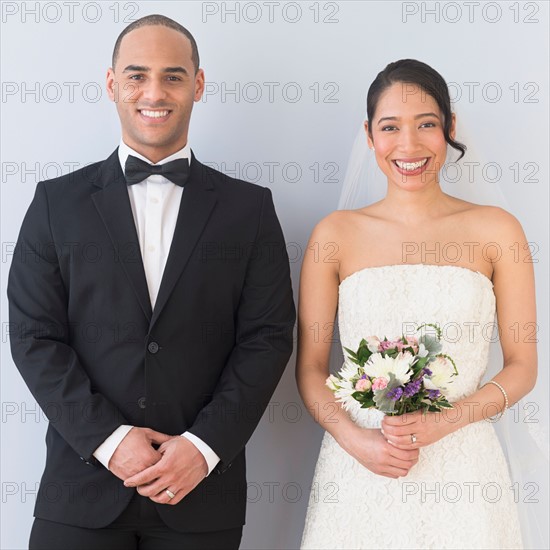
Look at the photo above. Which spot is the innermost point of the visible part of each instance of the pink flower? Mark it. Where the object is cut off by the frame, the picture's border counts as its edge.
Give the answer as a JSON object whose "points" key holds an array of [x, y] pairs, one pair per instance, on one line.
{"points": [[363, 384], [379, 383], [387, 344], [412, 343]]}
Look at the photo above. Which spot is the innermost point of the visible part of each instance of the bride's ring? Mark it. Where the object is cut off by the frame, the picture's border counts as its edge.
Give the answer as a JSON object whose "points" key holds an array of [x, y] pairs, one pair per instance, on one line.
{"points": [[413, 438], [170, 494]]}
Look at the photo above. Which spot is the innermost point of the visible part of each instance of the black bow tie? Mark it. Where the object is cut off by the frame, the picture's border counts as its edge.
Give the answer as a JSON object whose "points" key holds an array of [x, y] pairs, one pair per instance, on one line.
{"points": [[137, 170]]}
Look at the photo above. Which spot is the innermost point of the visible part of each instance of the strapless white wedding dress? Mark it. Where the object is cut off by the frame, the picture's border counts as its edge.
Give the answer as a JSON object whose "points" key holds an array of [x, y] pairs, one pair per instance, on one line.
{"points": [[459, 494]]}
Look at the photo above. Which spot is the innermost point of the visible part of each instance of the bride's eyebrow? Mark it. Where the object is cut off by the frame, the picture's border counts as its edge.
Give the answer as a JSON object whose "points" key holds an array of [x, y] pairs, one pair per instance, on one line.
{"points": [[416, 117], [425, 115]]}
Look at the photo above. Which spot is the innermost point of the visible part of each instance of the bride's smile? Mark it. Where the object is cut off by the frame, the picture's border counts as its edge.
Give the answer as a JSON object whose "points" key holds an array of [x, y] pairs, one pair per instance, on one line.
{"points": [[412, 167], [407, 137]]}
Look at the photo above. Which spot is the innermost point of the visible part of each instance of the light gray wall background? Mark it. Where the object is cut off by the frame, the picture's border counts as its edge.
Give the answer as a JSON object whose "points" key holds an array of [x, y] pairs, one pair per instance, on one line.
{"points": [[285, 97]]}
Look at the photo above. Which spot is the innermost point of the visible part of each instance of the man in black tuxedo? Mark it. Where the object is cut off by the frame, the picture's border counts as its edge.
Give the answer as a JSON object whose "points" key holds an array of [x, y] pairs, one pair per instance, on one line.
{"points": [[151, 311]]}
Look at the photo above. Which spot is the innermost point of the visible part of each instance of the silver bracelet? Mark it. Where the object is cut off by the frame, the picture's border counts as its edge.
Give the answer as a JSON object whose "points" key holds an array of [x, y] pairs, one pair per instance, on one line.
{"points": [[506, 402]]}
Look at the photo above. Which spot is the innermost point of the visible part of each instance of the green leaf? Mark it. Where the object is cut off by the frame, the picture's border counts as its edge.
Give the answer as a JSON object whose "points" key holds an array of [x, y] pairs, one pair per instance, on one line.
{"points": [[361, 396], [432, 344], [420, 364], [363, 353], [369, 403]]}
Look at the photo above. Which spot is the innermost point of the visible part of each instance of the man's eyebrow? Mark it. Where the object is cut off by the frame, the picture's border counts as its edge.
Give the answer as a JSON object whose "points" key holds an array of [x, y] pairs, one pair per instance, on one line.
{"points": [[143, 69], [138, 68], [175, 70]]}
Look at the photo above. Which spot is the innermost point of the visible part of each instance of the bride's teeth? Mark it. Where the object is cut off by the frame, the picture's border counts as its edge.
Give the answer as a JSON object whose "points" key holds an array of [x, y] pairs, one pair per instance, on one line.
{"points": [[154, 114], [411, 165]]}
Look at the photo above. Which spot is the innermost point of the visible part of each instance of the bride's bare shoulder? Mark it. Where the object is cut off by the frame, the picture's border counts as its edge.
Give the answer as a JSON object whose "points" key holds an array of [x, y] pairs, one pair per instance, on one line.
{"points": [[491, 218], [342, 222]]}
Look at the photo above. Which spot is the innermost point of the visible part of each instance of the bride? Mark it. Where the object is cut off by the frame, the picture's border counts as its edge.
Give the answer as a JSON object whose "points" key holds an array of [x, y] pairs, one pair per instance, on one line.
{"points": [[419, 255]]}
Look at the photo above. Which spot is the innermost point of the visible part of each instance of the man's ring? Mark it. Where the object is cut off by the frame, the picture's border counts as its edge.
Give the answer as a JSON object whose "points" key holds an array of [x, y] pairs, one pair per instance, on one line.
{"points": [[413, 438], [170, 494]]}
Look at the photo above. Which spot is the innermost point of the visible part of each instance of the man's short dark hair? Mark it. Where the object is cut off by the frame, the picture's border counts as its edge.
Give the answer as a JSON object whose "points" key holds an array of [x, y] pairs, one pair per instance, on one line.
{"points": [[163, 21]]}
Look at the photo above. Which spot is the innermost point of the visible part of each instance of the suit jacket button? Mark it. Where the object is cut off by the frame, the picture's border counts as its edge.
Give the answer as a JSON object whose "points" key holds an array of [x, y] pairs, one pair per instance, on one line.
{"points": [[153, 347], [142, 402]]}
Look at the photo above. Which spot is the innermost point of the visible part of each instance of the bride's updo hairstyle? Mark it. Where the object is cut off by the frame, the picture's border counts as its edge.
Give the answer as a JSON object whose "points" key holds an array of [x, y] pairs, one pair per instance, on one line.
{"points": [[411, 71]]}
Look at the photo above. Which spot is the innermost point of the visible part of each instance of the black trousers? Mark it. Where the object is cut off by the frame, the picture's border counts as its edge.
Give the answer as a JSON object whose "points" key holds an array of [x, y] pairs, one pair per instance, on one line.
{"points": [[139, 527]]}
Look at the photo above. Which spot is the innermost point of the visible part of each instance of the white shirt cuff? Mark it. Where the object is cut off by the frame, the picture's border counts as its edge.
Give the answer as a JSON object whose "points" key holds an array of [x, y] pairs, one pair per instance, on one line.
{"points": [[107, 449], [209, 455]]}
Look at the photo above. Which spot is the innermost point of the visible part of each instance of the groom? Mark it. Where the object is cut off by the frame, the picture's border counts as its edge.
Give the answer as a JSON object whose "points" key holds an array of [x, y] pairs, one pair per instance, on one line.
{"points": [[152, 313]]}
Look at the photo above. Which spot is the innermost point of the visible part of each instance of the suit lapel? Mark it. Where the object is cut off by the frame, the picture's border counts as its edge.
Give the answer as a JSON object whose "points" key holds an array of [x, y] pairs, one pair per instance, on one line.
{"points": [[113, 204], [197, 203]]}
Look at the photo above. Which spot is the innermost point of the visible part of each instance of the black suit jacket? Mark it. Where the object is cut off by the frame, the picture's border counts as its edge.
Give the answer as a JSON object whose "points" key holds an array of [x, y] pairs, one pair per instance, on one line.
{"points": [[206, 359]]}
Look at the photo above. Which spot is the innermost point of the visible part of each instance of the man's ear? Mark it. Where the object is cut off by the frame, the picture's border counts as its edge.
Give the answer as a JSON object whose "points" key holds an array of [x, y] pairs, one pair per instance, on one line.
{"points": [[199, 85], [111, 84]]}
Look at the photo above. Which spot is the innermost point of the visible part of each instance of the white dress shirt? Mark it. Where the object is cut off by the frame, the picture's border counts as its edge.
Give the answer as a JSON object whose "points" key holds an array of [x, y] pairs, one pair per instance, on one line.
{"points": [[155, 205]]}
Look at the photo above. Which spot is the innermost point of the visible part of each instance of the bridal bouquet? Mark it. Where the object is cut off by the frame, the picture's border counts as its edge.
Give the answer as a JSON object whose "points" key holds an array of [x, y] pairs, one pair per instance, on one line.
{"points": [[396, 376]]}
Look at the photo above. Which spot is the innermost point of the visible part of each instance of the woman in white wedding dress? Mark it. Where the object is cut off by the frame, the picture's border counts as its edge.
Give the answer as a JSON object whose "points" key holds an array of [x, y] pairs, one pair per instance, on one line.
{"points": [[417, 256]]}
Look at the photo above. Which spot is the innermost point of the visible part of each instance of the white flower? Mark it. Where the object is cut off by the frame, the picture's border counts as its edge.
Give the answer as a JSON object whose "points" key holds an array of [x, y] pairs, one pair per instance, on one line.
{"points": [[399, 366], [442, 374], [344, 394], [373, 343], [349, 369], [333, 382], [422, 351], [343, 387]]}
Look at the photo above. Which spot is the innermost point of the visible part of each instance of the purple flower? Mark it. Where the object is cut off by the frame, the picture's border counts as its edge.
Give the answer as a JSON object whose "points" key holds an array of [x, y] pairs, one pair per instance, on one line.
{"points": [[395, 394], [433, 394], [427, 371], [412, 388]]}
